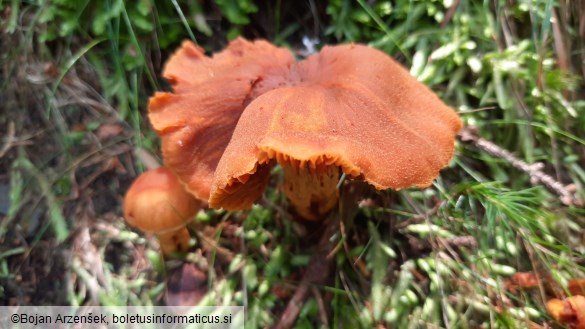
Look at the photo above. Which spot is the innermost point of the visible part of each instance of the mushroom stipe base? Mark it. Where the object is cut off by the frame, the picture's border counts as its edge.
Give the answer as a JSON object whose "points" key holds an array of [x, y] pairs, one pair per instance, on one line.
{"points": [[174, 241], [312, 193]]}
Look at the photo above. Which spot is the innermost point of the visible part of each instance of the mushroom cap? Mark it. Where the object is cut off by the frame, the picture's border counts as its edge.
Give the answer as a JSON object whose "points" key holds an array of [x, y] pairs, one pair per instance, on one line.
{"points": [[349, 106], [158, 203], [196, 122]]}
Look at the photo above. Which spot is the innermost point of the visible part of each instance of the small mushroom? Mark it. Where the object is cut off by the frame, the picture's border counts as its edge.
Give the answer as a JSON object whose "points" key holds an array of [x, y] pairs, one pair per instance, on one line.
{"points": [[569, 311], [158, 203]]}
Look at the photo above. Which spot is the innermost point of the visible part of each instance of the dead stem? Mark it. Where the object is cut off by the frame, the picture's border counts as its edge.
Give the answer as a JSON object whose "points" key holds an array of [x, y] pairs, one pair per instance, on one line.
{"points": [[537, 176]]}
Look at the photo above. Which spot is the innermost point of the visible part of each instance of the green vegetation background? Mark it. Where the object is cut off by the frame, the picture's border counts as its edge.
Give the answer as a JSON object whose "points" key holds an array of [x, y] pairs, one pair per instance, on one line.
{"points": [[75, 79]]}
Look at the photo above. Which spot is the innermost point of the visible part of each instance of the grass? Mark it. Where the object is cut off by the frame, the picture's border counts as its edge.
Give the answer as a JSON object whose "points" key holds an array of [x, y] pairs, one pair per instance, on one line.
{"points": [[73, 107]]}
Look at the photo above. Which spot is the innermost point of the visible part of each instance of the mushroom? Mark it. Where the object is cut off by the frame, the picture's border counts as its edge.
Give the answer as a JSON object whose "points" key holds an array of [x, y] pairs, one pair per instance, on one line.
{"points": [[349, 108], [569, 311], [157, 203]]}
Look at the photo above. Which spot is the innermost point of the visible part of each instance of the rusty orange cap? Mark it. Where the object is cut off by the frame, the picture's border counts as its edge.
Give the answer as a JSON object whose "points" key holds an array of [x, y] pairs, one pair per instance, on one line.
{"points": [[158, 203], [349, 106]]}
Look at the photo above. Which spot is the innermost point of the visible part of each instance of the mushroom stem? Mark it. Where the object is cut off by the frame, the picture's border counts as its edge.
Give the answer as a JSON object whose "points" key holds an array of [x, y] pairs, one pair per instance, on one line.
{"points": [[174, 241], [312, 192]]}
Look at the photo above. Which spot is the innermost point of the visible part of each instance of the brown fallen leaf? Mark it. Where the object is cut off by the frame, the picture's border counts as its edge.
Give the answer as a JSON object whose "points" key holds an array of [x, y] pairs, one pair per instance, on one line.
{"points": [[186, 286]]}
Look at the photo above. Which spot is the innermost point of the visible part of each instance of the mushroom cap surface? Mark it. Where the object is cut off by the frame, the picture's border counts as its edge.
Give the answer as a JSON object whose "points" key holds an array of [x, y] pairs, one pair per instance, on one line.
{"points": [[197, 120], [157, 202], [349, 106]]}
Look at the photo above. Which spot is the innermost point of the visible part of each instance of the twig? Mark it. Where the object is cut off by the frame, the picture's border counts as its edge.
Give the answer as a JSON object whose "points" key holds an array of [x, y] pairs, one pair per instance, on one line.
{"points": [[450, 12], [321, 304], [316, 274], [467, 241], [9, 140], [469, 135], [209, 244]]}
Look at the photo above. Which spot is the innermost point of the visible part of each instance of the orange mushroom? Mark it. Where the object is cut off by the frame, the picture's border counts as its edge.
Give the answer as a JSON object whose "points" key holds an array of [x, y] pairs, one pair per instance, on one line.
{"points": [[349, 109], [157, 203], [569, 311]]}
